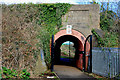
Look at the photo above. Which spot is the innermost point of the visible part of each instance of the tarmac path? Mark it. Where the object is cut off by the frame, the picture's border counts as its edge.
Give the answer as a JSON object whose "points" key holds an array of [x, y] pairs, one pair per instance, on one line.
{"points": [[70, 73]]}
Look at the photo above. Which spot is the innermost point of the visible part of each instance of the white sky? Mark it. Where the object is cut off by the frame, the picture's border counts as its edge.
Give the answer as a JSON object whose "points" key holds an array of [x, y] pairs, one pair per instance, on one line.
{"points": [[50, 1]]}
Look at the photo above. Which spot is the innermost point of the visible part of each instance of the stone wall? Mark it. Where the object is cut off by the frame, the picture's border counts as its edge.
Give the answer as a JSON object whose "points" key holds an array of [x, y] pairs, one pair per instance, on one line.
{"points": [[83, 18]]}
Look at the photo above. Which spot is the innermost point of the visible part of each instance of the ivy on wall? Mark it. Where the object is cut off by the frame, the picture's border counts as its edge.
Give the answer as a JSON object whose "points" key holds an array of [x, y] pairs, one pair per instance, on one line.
{"points": [[51, 20]]}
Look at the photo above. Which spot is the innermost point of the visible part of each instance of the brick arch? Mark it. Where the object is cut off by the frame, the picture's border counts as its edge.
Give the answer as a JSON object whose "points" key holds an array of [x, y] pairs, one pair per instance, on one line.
{"points": [[81, 40], [75, 33]]}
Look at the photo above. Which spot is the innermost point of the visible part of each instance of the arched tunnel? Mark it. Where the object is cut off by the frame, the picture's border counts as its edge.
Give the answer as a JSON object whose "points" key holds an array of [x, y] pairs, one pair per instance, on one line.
{"points": [[78, 39]]}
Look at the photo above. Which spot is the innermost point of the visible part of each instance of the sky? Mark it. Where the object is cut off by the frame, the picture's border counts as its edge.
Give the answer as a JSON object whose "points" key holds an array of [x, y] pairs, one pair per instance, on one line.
{"points": [[51, 1], [112, 5]]}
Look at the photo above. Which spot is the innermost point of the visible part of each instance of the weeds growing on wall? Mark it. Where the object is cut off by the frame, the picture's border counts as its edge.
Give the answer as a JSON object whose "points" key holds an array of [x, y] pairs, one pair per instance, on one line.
{"points": [[26, 29]]}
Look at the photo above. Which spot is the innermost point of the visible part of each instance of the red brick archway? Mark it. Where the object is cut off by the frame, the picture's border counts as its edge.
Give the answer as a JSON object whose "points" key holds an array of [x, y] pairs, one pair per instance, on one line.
{"points": [[78, 39]]}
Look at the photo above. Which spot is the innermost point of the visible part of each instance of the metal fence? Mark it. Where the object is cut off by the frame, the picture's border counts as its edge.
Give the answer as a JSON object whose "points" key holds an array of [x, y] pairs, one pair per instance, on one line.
{"points": [[105, 61]]}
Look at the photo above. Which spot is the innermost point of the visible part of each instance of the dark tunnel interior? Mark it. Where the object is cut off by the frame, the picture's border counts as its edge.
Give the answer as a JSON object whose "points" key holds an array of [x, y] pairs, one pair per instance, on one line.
{"points": [[57, 51]]}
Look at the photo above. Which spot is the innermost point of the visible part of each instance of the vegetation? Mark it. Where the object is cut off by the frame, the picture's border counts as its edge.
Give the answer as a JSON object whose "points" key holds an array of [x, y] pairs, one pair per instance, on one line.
{"points": [[8, 73], [51, 20], [27, 28], [109, 21]]}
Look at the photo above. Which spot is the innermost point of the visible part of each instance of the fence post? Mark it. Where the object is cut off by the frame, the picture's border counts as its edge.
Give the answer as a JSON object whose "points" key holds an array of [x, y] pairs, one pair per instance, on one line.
{"points": [[119, 60], [52, 53]]}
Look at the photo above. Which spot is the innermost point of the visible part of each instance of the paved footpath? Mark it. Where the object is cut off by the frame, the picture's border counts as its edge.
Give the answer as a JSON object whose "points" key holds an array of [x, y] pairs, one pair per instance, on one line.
{"points": [[70, 72]]}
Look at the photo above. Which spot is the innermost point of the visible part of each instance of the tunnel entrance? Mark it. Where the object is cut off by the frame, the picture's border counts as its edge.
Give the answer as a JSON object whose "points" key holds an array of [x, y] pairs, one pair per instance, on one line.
{"points": [[58, 54], [81, 45]]}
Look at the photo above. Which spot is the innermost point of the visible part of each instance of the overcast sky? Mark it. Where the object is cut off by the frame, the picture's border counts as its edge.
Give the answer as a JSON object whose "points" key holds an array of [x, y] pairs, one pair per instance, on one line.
{"points": [[50, 1]]}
